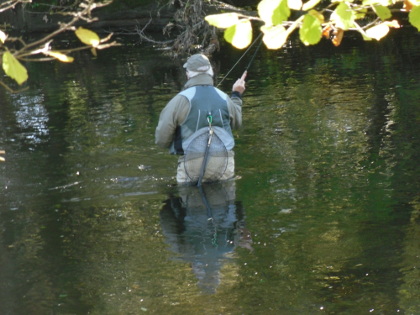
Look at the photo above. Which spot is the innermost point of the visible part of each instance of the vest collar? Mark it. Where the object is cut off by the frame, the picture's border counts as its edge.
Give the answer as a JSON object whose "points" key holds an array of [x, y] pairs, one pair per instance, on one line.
{"points": [[201, 79]]}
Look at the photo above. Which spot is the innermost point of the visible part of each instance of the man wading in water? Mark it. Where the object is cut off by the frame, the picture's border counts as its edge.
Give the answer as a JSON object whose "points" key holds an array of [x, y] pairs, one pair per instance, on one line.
{"points": [[201, 111]]}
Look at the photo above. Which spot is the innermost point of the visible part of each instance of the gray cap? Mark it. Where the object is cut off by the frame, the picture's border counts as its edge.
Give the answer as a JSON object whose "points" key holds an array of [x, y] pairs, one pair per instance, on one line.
{"points": [[198, 63]]}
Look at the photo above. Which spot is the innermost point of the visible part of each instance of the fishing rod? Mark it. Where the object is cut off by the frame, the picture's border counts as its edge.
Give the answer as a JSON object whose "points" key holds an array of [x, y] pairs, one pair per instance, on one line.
{"points": [[243, 55]]}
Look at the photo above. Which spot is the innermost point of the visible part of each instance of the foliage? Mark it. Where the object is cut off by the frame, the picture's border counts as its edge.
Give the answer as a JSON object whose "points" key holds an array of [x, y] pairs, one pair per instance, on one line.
{"points": [[14, 51], [316, 19]]}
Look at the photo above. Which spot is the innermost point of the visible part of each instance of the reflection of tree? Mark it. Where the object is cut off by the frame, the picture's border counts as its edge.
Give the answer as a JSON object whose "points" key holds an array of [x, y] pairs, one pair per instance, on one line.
{"points": [[337, 162], [203, 226], [58, 137]]}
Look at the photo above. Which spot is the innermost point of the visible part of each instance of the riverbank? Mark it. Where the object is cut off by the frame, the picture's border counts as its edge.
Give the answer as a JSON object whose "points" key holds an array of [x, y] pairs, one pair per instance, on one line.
{"points": [[23, 20]]}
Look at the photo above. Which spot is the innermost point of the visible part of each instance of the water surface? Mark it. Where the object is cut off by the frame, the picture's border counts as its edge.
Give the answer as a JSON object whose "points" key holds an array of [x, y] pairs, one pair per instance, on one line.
{"points": [[323, 217]]}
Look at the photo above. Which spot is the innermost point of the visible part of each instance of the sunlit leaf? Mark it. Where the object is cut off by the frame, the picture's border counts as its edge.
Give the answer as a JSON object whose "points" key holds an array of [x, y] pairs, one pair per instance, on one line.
{"points": [[310, 4], [317, 15], [378, 31], [414, 17], [13, 68], [326, 31], [343, 16], [310, 32], [384, 3], [360, 13], [88, 37], [294, 4], [3, 36], [59, 56], [273, 12], [384, 13], [240, 34], [274, 36], [223, 20], [408, 5], [338, 37], [393, 24]]}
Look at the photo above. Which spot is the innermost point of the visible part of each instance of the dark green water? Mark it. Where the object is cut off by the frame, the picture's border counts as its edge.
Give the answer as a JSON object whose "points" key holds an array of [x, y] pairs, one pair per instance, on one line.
{"points": [[324, 217]]}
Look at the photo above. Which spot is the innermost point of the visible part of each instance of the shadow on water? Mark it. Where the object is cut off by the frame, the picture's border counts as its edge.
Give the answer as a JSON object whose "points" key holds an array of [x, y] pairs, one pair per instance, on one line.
{"points": [[203, 226]]}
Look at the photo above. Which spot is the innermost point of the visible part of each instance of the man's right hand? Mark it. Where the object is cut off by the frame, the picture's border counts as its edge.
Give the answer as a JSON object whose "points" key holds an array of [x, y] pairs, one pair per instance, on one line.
{"points": [[239, 85]]}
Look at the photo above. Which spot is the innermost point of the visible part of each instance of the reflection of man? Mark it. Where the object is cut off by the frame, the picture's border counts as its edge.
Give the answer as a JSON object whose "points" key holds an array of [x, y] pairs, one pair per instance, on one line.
{"points": [[203, 225], [189, 111]]}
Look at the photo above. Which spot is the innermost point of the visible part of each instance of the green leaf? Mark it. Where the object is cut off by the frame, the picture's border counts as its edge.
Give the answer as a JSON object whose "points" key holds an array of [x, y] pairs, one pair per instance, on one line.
{"points": [[378, 31], [223, 20], [240, 34], [360, 13], [274, 36], [310, 32], [273, 12], [310, 4], [88, 37], [343, 16], [384, 13], [414, 17], [13, 68]]}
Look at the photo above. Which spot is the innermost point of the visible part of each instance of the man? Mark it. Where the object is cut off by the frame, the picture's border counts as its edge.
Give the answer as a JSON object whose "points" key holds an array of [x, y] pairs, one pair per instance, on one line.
{"points": [[186, 114]]}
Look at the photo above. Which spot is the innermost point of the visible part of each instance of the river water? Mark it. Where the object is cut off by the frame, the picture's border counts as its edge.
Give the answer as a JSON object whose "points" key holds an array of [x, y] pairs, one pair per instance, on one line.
{"points": [[323, 216]]}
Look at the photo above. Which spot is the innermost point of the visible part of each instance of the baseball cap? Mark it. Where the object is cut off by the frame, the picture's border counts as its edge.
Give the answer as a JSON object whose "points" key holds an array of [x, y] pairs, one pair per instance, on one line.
{"points": [[197, 63]]}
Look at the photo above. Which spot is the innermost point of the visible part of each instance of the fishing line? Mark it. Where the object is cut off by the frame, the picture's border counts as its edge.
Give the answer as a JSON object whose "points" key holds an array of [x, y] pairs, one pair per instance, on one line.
{"points": [[253, 56], [243, 55]]}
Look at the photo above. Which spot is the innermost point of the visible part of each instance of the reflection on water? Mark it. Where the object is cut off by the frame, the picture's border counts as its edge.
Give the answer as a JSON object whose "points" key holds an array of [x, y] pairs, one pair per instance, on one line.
{"points": [[91, 221], [204, 225]]}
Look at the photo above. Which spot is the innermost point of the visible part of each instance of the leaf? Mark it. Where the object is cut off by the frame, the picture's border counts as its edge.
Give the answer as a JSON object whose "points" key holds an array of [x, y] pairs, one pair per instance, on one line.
{"points": [[360, 13], [384, 13], [384, 3], [338, 37], [3, 36], [59, 56], [94, 52], [310, 32], [294, 4], [326, 31], [240, 34], [310, 4], [393, 24], [408, 5], [317, 15], [274, 36], [88, 37], [414, 17], [273, 12], [13, 68], [378, 31], [343, 16], [223, 20]]}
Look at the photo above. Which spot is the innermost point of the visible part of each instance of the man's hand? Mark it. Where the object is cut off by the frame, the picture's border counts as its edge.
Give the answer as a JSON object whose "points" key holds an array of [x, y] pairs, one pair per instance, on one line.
{"points": [[239, 85]]}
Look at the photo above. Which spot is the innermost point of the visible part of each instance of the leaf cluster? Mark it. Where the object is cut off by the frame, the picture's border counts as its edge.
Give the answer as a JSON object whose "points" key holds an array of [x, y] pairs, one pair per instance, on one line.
{"points": [[330, 19], [14, 51]]}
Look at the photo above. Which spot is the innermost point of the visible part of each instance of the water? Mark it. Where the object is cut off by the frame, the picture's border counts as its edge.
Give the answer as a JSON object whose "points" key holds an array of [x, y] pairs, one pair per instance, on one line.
{"points": [[324, 215]]}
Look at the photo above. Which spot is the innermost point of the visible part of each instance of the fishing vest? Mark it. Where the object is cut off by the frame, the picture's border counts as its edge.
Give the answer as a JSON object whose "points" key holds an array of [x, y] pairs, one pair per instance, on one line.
{"points": [[204, 100]]}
